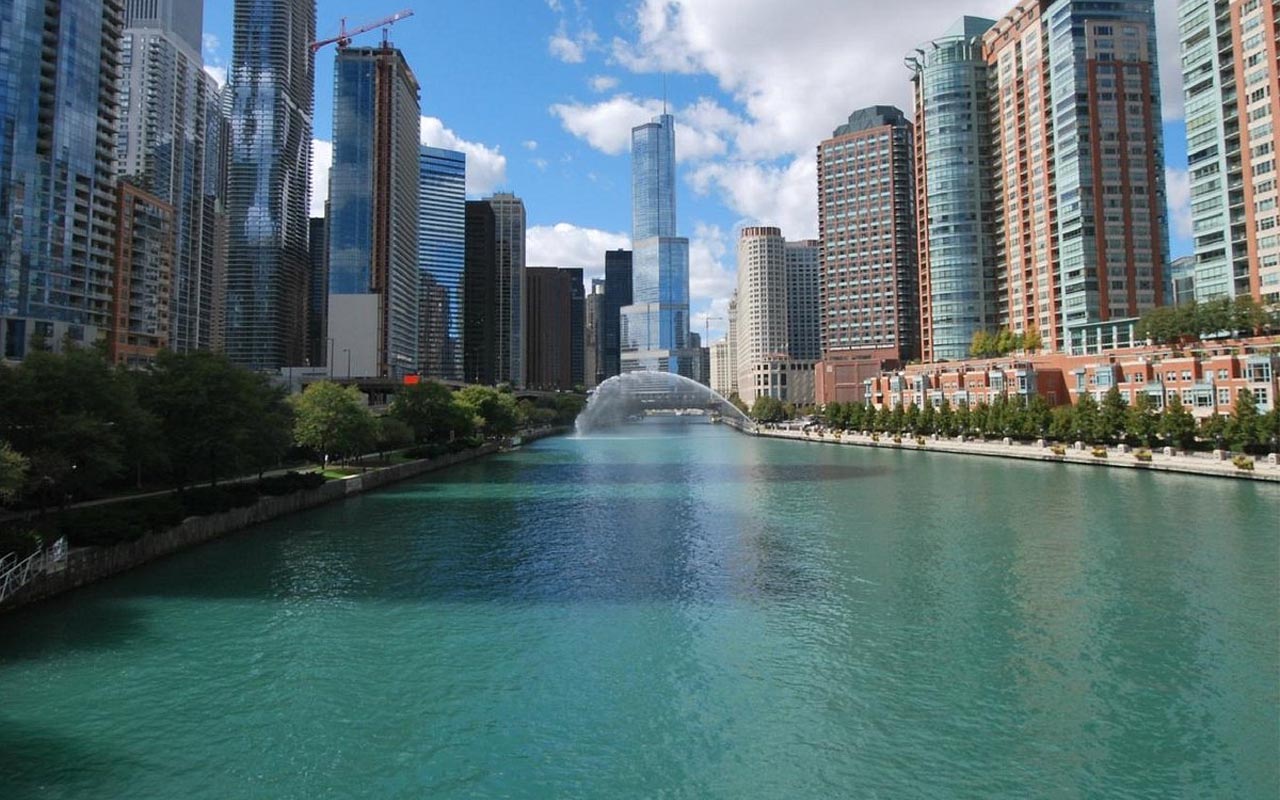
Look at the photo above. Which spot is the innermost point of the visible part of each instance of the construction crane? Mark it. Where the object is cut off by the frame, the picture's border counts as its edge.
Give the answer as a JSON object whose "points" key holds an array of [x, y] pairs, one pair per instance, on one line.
{"points": [[344, 36]]}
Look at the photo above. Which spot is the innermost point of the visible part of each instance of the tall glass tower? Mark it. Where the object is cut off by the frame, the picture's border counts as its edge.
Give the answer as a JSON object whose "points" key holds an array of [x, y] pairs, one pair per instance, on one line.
{"points": [[442, 205], [272, 91], [655, 327]]}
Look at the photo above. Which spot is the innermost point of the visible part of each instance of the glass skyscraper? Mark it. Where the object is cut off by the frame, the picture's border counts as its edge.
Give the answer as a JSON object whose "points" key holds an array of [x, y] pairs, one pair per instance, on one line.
{"points": [[508, 315], [953, 191], [58, 114], [442, 203], [272, 88], [655, 327]]}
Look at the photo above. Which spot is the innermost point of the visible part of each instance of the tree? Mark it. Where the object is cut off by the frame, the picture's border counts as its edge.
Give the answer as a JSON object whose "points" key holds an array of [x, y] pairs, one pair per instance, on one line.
{"points": [[912, 418], [897, 418], [1037, 418], [13, 472], [495, 412], [855, 416], [392, 434], [1005, 342], [1244, 430], [1031, 340], [332, 420], [431, 412], [1141, 421], [928, 418], [982, 344], [767, 409], [833, 415], [883, 419], [1213, 428], [1112, 416], [1177, 425], [946, 419], [1087, 418], [1062, 423]]}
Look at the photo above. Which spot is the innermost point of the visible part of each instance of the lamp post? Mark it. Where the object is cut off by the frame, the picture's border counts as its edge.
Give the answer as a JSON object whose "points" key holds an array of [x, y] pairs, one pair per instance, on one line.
{"points": [[347, 350], [331, 343]]}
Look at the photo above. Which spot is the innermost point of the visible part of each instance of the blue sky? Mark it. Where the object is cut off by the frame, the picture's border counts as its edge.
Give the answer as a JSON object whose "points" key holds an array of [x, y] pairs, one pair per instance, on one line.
{"points": [[542, 94]]}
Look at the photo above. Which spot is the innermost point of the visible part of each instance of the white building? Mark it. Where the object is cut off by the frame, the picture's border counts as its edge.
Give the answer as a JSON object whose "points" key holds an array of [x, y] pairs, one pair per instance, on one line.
{"points": [[765, 362]]}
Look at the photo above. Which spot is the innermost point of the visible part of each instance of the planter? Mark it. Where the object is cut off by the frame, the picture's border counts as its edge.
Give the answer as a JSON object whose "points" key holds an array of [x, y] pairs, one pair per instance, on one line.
{"points": [[1099, 452], [1243, 462], [1143, 456], [1058, 450]]}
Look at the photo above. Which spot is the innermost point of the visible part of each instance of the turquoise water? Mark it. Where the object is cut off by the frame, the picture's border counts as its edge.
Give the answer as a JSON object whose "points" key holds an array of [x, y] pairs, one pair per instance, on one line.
{"points": [[681, 612]]}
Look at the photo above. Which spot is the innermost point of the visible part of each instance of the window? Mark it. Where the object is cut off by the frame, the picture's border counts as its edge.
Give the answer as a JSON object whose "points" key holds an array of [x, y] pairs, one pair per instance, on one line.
{"points": [[1224, 397]]}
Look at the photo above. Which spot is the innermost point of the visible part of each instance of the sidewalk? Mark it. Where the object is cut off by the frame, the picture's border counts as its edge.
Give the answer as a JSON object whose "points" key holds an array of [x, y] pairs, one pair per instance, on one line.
{"points": [[1194, 464]]}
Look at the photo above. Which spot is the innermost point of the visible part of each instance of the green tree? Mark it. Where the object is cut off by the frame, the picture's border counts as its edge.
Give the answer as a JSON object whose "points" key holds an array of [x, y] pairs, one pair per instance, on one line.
{"points": [[912, 418], [1112, 416], [431, 412], [333, 420], [964, 419], [1244, 429], [928, 418], [1141, 421], [946, 418], [1062, 423], [495, 412], [392, 434], [1213, 429], [1037, 417], [833, 415], [1005, 342], [897, 419], [767, 409], [1031, 340], [13, 472], [855, 415], [1177, 425], [982, 344], [1214, 317], [1087, 418]]}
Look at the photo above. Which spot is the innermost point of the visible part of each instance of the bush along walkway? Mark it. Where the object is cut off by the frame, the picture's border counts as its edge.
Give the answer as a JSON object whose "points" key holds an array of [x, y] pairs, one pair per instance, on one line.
{"points": [[107, 540], [1220, 463]]}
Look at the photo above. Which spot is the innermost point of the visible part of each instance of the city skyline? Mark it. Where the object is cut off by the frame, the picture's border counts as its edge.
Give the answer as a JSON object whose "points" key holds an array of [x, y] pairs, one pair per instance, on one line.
{"points": [[568, 155]]}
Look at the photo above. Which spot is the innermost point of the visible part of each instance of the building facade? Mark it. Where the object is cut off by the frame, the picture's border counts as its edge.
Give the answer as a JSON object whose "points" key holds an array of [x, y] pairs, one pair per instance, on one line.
{"points": [[767, 363], [723, 366], [271, 88], [593, 334], [59, 107], [442, 198], [655, 327], [555, 301], [617, 288], [319, 345], [954, 209], [146, 229], [804, 298], [373, 212], [480, 303], [1232, 90], [169, 118], [509, 288]]}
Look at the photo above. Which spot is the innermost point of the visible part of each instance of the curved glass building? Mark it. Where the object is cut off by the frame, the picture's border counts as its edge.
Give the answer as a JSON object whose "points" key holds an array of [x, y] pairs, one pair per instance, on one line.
{"points": [[954, 198]]}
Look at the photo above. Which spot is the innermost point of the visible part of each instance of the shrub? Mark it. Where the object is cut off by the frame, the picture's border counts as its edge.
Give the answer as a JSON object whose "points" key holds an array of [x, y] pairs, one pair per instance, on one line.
{"points": [[920, 441], [290, 482], [875, 437], [21, 542], [1099, 452], [1142, 455], [114, 523], [1243, 462], [1058, 450], [897, 440], [217, 499]]}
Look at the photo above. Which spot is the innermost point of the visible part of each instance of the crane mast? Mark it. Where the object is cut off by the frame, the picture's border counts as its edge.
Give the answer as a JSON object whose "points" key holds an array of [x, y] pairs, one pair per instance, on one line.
{"points": [[345, 36]]}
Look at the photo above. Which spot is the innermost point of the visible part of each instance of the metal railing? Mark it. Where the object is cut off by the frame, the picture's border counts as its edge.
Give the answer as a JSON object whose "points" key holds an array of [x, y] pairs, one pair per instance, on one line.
{"points": [[16, 573]]}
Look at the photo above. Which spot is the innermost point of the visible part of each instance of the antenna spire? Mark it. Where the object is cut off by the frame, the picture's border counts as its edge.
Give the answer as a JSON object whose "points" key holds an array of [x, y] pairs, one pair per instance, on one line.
{"points": [[664, 94]]}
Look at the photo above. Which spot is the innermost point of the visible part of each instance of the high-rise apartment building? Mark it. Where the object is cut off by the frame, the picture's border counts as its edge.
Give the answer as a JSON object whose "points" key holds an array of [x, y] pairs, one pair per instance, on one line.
{"points": [[373, 212], [954, 204], [766, 363], [731, 339], [1081, 223], [169, 119], [866, 221], [593, 334], [655, 327], [804, 298], [442, 199], [554, 342], [617, 295], [59, 95], [318, 341], [141, 314], [480, 302], [272, 87], [1232, 90], [577, 328], [509, 288], [722, 367]]}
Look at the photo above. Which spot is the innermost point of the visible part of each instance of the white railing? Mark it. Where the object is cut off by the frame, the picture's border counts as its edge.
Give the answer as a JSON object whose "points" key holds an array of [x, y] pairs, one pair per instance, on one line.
{"points": [[16, 573]]}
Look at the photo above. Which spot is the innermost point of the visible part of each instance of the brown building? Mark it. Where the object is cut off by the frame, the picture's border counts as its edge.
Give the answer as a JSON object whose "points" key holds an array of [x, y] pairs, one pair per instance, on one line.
{"points": [[143, 281], [550, 315], [1255, 33], [870, 279]]}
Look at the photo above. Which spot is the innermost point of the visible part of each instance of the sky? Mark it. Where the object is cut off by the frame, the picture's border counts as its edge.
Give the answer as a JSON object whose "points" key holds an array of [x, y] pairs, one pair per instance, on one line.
{"points": [[542, 96]]}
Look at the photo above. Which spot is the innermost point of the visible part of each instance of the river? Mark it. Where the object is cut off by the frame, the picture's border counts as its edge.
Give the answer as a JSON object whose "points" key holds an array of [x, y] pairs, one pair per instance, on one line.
{"points": [[680, 611]]}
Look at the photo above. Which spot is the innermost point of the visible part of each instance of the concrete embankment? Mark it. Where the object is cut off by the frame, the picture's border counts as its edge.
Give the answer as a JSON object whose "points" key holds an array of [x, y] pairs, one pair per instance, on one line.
{"points": [[1197, 464], [85, 565]]}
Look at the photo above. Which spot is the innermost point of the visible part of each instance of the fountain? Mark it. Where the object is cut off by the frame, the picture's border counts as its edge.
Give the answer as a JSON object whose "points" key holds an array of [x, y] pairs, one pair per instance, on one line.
{"points": [[631, 395]]}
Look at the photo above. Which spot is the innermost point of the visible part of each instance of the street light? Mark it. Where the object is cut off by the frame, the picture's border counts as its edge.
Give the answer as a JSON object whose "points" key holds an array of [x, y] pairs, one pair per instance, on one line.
{"points": [[330, 357], [348, 352]]}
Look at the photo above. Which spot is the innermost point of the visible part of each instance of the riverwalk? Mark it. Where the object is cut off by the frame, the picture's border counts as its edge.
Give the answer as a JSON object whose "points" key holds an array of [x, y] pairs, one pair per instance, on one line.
{"points": [[1162, 460]]}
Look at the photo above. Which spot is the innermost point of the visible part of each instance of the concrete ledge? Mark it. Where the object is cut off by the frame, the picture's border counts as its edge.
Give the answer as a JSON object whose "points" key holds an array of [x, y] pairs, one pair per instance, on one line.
{"points": [[1189, 465]]}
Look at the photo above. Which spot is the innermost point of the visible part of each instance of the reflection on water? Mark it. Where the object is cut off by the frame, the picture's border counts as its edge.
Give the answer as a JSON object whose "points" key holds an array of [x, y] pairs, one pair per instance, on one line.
{"points": [[692, 615]]}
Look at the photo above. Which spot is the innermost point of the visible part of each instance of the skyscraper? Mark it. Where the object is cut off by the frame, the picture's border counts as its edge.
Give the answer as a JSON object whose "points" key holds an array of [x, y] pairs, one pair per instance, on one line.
{"points": [[141, 315], [766, 361], [593, 334], [866, 221], [1081, 230], [509, 288], [552, 344], [271, 85], [655, 327], [617, 289], [442, 199], [169, 111], [1233, 99], [955, 226], [318, 342], [804, 298], [373, 212], [59, 71], [480, 302]]}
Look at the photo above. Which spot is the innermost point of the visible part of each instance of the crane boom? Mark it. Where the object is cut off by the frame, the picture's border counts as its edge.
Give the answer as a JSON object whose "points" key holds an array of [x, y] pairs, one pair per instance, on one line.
{"points": [[344, 36]]}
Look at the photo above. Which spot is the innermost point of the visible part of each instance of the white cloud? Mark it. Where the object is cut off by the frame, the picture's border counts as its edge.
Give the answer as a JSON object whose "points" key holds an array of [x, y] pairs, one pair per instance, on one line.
{"points": [[602, 83], [219, 74], [711, 322], [712, 266], [564, 48], [529, 144], [321, 160], [540, 163], [486, 166], [702, 129], [784, 195], [210, 42], [567, 245], [1178, 188]]}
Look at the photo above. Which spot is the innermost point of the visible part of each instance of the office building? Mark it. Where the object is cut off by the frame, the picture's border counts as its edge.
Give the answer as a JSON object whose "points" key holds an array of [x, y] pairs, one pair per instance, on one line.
{"points": [[722, 366], [442, 199], [509, 288], [1232, 91], [169, 110], [655, 327], [480, 302], [318, 341], [1080, 215], [954, 212], [866, 221], [731, 339], [593, 334], [373, 213], [59, 94], [1180, 281], [552, 347], [577, 328], [765, 361], [617, 289], [804, 298], [146, 228], [271, 90]]}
